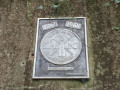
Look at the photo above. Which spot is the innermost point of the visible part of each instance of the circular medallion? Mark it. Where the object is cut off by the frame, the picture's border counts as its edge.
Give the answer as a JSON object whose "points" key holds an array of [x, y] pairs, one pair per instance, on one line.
{"points": [[60, 46]]}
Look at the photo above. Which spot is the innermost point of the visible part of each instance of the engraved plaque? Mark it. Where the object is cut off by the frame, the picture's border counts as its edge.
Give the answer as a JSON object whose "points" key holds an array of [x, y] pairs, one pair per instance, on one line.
{"points": [[61, 49], [60, 46]]}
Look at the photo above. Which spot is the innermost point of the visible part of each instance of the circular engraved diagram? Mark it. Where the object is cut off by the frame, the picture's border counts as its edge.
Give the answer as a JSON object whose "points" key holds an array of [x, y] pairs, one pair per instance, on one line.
{"points": [[61, 46]]}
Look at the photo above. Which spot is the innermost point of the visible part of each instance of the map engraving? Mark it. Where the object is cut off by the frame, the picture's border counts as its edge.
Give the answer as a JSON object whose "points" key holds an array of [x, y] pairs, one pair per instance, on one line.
{"points": [[61, 46]]}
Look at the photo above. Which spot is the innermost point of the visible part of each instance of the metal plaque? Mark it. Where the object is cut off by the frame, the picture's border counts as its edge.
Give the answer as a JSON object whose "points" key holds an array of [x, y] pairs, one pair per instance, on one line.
{"points": [[61, 49]]}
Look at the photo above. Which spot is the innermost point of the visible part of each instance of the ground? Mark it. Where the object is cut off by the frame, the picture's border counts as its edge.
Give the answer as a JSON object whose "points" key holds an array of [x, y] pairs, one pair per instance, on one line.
{"points": [[17, 40]]}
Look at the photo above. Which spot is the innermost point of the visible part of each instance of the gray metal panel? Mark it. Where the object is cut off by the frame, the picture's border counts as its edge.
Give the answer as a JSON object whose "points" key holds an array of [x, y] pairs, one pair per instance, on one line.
{"points": [[80, 65]]}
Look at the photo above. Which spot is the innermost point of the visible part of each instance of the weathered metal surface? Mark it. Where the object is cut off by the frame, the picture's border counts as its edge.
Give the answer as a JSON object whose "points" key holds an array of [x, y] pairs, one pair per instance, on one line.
{"points": [[61, 49], [60, 46]]}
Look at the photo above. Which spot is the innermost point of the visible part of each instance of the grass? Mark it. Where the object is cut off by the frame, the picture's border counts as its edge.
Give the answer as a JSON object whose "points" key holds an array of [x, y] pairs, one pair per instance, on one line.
{"points": [[29, 13]]}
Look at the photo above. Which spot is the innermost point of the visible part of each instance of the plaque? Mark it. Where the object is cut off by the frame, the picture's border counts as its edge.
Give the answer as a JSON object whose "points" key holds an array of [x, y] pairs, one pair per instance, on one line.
{"points": [[61, 49]]}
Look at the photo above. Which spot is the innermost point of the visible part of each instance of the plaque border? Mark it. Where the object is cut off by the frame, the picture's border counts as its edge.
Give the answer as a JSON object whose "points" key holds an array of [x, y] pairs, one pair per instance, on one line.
{"points": [[73, 77]]}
